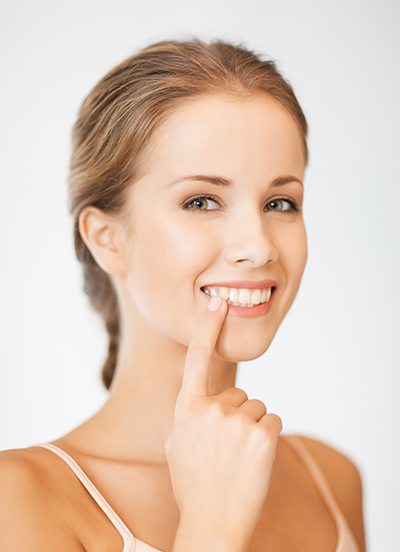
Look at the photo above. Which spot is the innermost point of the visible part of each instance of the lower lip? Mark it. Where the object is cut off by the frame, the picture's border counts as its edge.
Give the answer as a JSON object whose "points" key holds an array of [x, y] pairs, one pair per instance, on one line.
{"points": [[249, 312]]}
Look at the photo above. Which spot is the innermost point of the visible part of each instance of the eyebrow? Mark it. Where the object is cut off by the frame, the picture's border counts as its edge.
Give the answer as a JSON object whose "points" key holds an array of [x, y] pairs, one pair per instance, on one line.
{"points": [[220, 181], [281, 180], [217, 180]]}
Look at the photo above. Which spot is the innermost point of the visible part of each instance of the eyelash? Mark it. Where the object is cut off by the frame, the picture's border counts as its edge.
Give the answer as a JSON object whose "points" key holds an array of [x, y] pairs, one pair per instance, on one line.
{"points": [[192, 199], [293, 205]]}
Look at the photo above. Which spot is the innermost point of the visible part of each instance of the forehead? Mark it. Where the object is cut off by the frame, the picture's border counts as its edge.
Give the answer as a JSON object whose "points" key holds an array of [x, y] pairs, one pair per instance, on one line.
{"points": [[231, 137]]}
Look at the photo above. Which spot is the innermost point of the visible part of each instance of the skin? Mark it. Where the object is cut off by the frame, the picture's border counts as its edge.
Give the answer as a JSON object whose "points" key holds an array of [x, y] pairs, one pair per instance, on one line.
{"points": [[169, 410]]}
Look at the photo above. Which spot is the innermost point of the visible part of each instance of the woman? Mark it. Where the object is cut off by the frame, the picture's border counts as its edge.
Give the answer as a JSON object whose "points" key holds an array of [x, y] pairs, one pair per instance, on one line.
{"points": [[186, 189]]}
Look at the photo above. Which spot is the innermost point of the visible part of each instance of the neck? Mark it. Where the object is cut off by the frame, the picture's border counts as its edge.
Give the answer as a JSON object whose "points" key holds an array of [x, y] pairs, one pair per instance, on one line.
{"points": [[138, 415]]}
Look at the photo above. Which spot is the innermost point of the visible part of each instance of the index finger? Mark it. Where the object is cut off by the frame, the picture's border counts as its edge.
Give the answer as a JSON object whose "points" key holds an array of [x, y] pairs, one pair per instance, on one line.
{"points": [[197, 374]]}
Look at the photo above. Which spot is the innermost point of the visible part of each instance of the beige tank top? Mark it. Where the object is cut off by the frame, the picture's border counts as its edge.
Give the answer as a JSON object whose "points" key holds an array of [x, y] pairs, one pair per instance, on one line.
{"points": [[346, 541]]}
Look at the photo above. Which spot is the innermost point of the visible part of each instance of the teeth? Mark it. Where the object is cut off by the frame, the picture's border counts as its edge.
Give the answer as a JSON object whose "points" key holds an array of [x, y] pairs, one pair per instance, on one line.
{"points": [[244, 296], [224, 293], [234, 296], [241, 297], [256, 297], [265, 295]]}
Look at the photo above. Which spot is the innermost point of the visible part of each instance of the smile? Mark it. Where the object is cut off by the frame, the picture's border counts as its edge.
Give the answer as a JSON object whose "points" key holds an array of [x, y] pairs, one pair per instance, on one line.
{"points": [[240, 297]]}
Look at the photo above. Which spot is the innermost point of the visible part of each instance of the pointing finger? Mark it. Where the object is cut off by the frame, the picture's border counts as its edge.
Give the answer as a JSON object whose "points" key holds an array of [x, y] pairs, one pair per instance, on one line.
{"points": [[197, 374]]}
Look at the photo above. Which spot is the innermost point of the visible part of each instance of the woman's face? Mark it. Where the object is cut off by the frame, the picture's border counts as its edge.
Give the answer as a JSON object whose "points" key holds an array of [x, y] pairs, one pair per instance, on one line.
{"points": [[219, 207]]}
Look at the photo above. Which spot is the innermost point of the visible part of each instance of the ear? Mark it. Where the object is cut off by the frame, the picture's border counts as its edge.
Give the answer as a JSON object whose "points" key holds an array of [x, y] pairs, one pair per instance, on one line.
{"points": [[102, 235]]}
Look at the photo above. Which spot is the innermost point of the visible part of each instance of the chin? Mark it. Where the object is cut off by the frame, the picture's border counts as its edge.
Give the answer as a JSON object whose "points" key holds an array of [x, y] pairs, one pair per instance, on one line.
{"points": [[238, 352], [238, 355], [246, 339], [233, 349]]}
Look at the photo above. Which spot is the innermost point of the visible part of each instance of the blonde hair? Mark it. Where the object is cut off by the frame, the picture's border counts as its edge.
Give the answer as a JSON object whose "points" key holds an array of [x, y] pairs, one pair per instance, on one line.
{"points": [[118, 118]]}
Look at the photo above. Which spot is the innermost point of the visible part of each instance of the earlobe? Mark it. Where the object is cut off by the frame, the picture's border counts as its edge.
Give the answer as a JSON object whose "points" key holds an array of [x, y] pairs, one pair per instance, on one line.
{"points": [[101, 234]]}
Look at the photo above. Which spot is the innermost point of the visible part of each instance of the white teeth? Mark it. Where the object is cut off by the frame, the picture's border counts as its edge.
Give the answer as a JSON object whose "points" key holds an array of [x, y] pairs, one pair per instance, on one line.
{"points": [[263, 295], [234, 295], [244, 296], [224, 293], [256, 297]]}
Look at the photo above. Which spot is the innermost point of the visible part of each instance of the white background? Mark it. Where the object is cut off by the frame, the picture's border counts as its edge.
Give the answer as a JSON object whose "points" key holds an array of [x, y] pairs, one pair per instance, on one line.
{"points": [[332, 371]]}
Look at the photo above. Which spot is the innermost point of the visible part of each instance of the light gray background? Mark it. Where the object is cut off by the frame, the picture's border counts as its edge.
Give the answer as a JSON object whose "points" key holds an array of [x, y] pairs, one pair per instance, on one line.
{"points": [[332, 371]]}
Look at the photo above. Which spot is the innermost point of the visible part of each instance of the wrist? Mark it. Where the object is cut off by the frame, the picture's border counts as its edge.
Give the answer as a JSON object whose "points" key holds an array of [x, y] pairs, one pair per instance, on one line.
{"points": [[200, 535]]}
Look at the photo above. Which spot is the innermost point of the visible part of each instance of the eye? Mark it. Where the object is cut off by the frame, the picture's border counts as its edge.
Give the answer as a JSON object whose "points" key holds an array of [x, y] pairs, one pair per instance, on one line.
{"points": [[280, 205], [201, 203]]}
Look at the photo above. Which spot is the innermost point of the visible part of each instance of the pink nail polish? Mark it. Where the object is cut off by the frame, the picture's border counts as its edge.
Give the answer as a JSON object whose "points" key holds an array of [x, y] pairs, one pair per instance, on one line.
{"points": [[214, 303]]}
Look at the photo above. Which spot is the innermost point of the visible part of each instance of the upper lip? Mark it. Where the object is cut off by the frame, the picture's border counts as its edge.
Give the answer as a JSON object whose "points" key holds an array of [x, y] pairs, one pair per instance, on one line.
{"points": [[244, 284]]}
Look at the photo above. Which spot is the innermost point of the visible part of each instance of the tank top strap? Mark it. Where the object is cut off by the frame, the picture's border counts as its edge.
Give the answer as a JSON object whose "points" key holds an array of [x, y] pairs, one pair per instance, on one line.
{"points": [[128, 538], [346, 540]]}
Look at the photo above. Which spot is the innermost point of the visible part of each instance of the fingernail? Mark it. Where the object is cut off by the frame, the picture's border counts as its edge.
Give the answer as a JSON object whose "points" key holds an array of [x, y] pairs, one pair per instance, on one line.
{"points": [[214, 303]]}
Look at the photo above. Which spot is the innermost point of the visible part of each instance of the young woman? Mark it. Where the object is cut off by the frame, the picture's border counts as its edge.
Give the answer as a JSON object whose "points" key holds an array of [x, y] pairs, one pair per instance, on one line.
{"points": [[186, 188]]}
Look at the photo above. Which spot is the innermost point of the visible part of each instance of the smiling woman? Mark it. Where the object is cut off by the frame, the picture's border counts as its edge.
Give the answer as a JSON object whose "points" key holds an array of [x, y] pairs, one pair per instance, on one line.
{"points": [[249, 155], [186, 189]]}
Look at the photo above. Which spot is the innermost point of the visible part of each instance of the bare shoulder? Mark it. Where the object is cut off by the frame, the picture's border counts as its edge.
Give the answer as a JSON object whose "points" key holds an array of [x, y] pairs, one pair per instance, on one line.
{"points": [[344, 480], [22, 478], [29, 507]]}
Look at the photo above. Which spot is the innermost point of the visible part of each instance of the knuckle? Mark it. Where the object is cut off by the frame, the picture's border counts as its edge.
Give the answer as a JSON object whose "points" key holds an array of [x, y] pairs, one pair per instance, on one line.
{"points": [[235, 393], [271, 424], [217, 410], [276, 422], [242, 421], [259, 404], [241, 393]]}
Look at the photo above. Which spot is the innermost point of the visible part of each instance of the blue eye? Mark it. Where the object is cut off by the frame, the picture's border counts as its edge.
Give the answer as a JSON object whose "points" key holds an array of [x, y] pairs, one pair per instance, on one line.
{"points": [[280, 205], [202, 203]]}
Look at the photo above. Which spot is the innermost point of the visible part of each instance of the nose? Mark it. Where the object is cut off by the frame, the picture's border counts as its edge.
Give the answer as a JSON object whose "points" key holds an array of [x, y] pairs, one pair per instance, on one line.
{"points": [[249, 241]]}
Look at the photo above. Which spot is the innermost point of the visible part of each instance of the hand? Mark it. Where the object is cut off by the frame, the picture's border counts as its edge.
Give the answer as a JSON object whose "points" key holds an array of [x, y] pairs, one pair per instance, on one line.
{"points": [[222, 446]]}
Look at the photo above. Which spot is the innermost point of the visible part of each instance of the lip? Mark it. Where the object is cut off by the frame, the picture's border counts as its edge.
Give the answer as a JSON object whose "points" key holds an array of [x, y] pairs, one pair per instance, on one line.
{"points": [[252, 312], [246, 312]]}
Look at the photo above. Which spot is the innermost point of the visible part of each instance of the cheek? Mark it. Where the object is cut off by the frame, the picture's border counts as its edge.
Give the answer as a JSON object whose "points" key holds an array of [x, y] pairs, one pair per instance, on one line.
{"points": [[166, 261], [292, 247], [292, 259]]}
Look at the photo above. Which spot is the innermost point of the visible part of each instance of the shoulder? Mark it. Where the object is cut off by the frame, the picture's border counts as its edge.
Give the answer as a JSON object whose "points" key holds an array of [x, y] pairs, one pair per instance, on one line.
{"points": [[343, 478], [29, 508], [20, 463], [21, 476], [341, 473]]}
